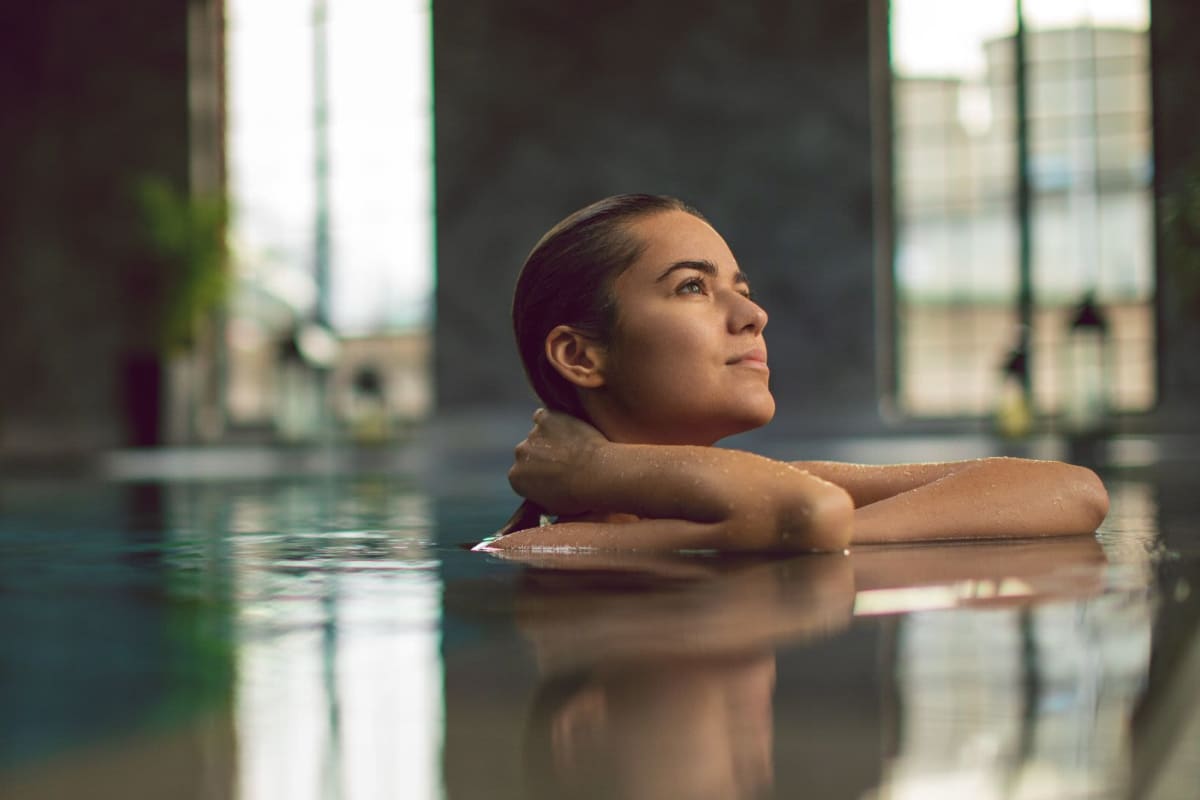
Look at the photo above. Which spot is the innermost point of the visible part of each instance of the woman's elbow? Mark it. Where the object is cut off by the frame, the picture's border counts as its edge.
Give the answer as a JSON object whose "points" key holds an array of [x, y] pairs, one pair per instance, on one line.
{"points": [[1092, 497], [823, 522]]}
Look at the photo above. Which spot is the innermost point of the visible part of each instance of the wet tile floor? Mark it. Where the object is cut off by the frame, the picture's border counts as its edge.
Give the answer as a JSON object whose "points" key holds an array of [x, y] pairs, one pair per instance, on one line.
{"points": [[318, 637]]}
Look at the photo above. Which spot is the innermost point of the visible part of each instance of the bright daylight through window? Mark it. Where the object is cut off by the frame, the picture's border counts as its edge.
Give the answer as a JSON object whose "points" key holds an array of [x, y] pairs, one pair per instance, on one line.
{"points": [[964, 304], [331, 172], [330, 155]]}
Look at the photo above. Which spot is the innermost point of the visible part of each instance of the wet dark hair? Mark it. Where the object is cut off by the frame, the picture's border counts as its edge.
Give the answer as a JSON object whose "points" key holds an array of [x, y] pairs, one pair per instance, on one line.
{"points": [[568, 279]]}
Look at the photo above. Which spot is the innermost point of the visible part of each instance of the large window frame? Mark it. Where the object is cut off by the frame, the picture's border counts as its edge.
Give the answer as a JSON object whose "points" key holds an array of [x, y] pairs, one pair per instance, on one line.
{"points": [[1034, 306]]}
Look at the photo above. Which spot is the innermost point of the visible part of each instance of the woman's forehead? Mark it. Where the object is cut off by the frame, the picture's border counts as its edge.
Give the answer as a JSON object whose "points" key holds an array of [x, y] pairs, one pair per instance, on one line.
{"points": [[676, 236]]}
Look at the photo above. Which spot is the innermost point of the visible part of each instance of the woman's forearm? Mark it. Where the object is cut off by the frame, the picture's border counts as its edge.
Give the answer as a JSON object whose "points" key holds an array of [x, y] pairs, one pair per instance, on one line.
{"points": [[754, 502], [643, 536], [988, 498]]}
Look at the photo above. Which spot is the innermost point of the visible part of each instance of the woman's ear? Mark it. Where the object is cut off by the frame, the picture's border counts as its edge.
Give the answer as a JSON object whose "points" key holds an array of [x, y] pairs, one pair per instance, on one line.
{"points": [[578, 358]]}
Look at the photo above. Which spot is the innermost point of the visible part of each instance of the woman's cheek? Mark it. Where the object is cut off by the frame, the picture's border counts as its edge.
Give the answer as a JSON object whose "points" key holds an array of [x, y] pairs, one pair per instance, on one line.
{"points": [[677, 361]]}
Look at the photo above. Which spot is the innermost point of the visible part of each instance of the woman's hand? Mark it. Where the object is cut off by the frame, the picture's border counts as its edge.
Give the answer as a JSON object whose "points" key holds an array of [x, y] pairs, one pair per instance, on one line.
{"points": [[551, 458]]}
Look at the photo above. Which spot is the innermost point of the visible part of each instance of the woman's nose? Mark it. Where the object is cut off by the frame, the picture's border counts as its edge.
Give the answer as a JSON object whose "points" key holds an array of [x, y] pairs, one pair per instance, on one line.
{"points": [[746, 314]]}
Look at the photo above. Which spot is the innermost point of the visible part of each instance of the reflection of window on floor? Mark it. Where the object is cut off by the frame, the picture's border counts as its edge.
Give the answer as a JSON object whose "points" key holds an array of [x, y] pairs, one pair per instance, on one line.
{"points": [[354, 183], [958, 240]]}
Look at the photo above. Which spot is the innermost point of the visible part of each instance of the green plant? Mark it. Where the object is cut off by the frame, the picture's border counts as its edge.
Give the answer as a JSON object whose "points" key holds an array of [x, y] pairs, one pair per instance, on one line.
{"points": [[186, 260]]}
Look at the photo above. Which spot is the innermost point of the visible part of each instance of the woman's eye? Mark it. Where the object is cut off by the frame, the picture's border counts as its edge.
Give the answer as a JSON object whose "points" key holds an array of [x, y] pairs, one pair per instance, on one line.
{"points": [[691, 286]]}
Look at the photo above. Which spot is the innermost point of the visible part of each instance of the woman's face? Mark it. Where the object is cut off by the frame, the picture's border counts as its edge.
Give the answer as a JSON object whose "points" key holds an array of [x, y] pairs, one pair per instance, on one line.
{"points": [[687, 362]]}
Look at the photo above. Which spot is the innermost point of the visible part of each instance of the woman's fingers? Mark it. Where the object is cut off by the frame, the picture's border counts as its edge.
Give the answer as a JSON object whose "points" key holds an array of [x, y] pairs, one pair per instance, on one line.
{"points": [[558, 428], [547, 461]]}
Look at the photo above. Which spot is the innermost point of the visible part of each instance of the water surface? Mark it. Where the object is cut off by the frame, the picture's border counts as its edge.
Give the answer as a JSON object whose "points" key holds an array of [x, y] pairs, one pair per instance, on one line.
{"points": [[318, 637]]}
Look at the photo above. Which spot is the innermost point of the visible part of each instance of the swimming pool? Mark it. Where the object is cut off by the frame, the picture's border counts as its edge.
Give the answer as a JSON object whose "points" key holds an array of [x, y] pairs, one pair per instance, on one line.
{"points": [[326, 635]]}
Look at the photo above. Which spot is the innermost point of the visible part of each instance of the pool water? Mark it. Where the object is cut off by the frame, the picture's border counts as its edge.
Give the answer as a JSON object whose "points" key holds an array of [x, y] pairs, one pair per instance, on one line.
{"points": [[331, 637]]}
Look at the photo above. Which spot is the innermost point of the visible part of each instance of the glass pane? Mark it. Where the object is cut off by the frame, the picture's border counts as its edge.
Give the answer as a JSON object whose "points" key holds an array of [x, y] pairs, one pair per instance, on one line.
{"points": [[1090, 146], [955, 263], [955, 158], [366, 373]]}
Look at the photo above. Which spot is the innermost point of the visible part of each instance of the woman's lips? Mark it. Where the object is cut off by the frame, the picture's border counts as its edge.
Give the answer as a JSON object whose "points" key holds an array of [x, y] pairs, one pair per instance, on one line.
{"points": [[751, 358]]}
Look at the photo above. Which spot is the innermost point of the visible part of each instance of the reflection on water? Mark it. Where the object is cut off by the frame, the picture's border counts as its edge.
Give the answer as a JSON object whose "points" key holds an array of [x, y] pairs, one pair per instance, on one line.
{"points": [[1130, 534], [339, 642], [262, 641], [1166, 724], [1028, 702], [1034, 700], [632, 703], [659, 673], [315, 638]]}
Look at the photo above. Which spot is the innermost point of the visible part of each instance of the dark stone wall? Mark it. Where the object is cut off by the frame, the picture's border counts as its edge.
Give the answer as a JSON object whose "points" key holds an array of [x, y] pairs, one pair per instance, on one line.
{"points": [[757, 113], [93, 97], [1175, 65]]}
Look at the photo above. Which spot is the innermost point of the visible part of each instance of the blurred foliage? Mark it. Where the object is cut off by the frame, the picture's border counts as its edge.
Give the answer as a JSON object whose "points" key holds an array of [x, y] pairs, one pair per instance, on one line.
{"points": [[1181, 234], [185, 260]]}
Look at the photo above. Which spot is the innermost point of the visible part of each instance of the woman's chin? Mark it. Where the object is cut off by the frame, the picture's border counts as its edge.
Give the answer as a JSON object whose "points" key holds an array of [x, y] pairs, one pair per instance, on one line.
{"points": [[762, 411]]}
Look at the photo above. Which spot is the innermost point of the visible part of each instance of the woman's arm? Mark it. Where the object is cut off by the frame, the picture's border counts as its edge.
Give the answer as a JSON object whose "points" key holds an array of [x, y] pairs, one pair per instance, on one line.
{"points": [[985, 498], [682, 497]]}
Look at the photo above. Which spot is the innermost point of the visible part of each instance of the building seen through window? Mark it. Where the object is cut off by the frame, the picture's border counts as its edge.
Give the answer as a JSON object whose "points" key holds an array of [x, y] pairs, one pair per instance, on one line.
{"points": [[956, 174], [331, 154]]}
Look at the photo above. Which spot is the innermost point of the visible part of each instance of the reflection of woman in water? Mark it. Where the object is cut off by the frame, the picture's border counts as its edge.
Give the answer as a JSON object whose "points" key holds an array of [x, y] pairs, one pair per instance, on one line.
{"points": [[657, 670], [637, 330], [657, 678]]}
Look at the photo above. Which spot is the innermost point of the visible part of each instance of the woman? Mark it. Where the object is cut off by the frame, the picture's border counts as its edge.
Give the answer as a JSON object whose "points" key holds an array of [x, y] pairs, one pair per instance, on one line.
{"points": [[637, 329]]}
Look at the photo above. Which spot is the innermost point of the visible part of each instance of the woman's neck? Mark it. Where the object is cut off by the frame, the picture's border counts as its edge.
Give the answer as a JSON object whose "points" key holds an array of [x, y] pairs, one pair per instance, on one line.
{"points": [[622, 429]]}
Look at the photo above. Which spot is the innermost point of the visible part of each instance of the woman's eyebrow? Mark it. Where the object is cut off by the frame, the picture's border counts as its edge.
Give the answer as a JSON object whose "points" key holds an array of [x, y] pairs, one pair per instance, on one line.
{"points": [[700, 265]]}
